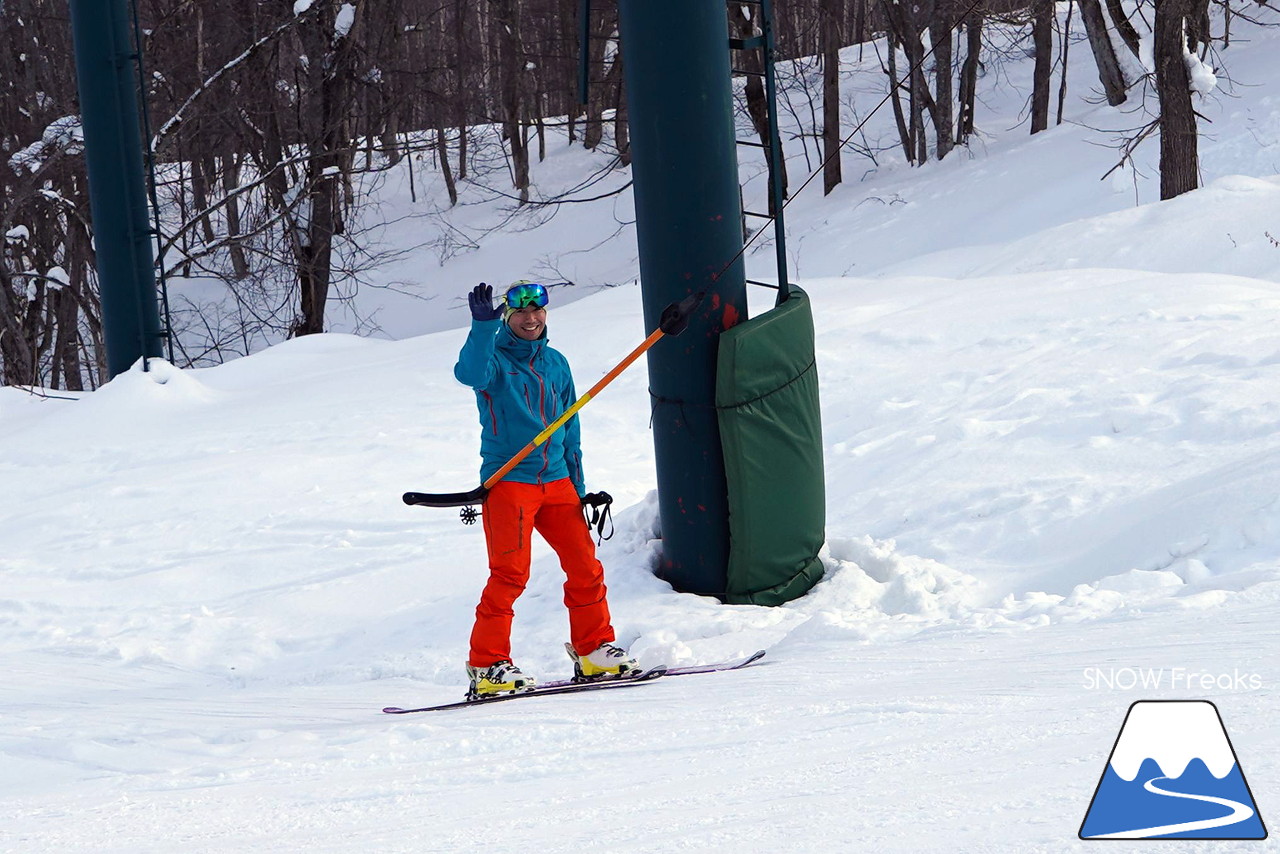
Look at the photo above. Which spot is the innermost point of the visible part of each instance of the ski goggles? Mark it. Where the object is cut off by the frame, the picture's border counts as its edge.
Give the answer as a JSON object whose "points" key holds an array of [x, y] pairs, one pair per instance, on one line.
{"points": [[526, 294]]}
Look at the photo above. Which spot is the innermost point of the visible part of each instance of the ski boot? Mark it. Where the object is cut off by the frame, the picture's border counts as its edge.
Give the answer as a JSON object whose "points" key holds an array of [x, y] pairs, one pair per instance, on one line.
{"points": [[497, 679], [606, 662]]}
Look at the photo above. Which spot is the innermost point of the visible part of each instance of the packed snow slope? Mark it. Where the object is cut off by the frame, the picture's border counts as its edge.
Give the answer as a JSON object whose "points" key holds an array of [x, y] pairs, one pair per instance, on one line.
{"points": [[1052, 439]]}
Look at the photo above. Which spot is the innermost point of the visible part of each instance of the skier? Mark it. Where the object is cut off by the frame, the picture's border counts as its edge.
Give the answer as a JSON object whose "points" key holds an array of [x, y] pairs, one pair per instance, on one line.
{"points": [[522, 385]]}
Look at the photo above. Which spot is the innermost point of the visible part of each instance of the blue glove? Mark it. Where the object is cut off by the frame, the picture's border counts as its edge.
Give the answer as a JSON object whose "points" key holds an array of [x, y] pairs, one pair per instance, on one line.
{"points": [[480, 300]]}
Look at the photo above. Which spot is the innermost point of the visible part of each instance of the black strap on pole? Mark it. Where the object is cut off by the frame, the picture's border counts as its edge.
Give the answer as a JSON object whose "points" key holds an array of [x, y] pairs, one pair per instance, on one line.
{"points": [[597, 507]]}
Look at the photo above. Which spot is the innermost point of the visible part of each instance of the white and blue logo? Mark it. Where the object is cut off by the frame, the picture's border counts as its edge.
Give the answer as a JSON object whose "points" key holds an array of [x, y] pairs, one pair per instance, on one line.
{"points": [[1173, 774]]}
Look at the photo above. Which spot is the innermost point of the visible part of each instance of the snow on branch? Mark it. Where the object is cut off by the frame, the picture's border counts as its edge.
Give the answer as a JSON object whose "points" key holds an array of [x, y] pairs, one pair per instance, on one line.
{"points": [[343, 22], [63, 136], [1202, 76]]}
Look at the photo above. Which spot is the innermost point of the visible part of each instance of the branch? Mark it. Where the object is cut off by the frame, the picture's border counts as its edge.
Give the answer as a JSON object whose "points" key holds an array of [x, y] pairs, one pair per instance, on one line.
{"points": [[1131, 145], [169, 127]]}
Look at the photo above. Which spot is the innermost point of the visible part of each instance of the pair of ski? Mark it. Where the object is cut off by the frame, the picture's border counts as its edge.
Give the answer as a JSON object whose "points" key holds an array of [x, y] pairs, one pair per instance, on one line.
{"points": [[568, 686]]}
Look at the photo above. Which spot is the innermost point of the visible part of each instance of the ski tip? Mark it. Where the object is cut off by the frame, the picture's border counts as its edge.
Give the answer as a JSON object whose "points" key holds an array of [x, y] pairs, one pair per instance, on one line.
{"points": [[392, 710]]}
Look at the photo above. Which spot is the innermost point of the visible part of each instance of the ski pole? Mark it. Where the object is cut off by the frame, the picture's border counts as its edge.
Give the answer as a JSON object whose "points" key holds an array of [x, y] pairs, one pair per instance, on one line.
{"points": [[674, 320]]}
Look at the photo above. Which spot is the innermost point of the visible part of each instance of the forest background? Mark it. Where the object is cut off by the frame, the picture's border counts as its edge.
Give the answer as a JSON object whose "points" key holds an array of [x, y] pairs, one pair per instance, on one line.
{"points": [[271, 122]]}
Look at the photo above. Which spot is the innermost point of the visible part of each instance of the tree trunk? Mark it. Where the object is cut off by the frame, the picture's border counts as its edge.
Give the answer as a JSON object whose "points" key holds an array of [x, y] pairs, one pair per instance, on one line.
{"points": [[270, 156], [906, 21], [1066, 47], [915, 53], [831, 176], [510, 73], [19, 359], [621, 128], [1104, 54], [230, 183], [593, 131], [67, 356], [389, 138], [408, 166], [1123, 26], [1042, 76], [442, 153], [969, 75], [325, 136], [1198, 24], [895, 90], [201, 168], [315, 256], [520, 157], [940, 35], [1178, 144], [460, 81]]}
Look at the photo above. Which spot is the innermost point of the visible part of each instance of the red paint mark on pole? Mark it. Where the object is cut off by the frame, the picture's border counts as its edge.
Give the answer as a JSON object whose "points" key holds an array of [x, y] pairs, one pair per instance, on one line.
{"points": [[730, 316]]}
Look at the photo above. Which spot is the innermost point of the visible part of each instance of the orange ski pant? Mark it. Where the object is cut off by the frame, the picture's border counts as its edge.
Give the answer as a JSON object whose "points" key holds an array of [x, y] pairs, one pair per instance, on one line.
{"points": [[512, 512]]}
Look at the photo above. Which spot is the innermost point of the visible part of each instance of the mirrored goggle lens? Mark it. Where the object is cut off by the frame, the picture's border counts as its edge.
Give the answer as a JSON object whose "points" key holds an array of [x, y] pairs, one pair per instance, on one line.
{"points": [[523, 296]]}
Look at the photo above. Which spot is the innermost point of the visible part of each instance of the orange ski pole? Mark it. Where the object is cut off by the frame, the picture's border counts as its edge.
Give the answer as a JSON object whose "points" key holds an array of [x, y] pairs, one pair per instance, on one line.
{"points": [[675, 319]]}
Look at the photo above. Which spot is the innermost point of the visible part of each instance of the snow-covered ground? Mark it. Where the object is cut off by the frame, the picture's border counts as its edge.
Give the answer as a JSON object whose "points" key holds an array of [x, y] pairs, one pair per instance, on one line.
{"points": [[1052, 432]]}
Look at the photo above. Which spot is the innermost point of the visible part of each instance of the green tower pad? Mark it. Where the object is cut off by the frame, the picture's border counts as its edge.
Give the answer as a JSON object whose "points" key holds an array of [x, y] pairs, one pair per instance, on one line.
{"points": [[771, 432]]}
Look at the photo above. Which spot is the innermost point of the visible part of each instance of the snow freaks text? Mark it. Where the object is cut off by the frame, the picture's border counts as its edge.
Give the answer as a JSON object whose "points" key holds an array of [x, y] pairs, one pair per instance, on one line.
{"points": [[1170, 678]]}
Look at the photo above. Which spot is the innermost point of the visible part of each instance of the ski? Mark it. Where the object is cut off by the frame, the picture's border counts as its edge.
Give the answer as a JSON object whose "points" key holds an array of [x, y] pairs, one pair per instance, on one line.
{"points": [[686, 670], [540, 691], [569, 686], [734, 664]]}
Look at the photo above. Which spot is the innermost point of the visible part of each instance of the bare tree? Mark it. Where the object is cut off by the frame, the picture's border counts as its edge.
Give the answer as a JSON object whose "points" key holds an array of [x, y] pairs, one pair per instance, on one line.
{"points": [[1179, 162], [908, 22], [276, 119], [941, 28], [601, 49], [50, 332], [830, 95], [1124, 26], [973, 24], [1109, 73], [1042, 37]]}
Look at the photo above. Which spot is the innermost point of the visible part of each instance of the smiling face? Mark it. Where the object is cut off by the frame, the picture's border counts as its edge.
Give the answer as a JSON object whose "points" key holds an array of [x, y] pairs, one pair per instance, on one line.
{"points": [[529, 322]]}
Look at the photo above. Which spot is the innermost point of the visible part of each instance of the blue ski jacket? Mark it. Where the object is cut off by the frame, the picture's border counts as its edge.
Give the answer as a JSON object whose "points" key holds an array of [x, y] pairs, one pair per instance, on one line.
{"points": [[521, 387]]}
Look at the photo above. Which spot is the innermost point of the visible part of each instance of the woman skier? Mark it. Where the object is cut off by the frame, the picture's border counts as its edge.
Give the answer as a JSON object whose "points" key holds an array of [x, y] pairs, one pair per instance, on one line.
{"points": [[522, 385]]}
